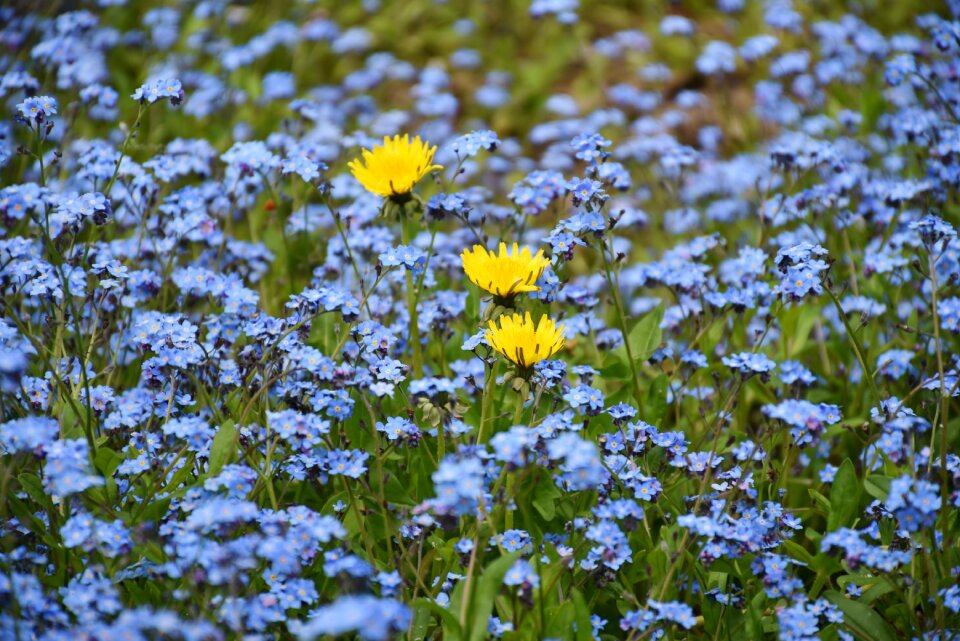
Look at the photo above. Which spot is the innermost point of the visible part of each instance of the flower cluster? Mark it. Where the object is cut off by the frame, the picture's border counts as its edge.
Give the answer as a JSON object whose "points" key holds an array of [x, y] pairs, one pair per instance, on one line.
{"points": [[397, 320]]}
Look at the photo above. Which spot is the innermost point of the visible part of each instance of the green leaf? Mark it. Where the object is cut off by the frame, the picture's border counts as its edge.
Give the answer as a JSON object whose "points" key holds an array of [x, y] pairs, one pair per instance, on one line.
{"points": [[807, 318], [822, 501], [156, 510], [473, 303], [545, 496], [754, 621], [875, 592], [395, 492], [181, 475], [559, 623], [717, 580], [645, 336], [877, 486], [796, 551], [107, 461], [582, 617], [614, 368], [656, 401], [222, 448], [844, 497], [26, 516], [421, 621], [861, 619], [818, 584], [488, 586], [33, 486], [873, 587], [154, 553]]}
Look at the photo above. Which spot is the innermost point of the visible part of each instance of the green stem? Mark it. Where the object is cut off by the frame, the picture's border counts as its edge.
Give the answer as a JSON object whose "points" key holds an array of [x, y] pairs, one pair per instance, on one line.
{"points": [[43, 173], [615, 295], [511, 476], [353, 263], [360, 519], [64, 392], [283, 231], [268, 471], [441, 442], [486, 403], [944, 395], [468, 587], [379, 453], [412, 309], [856, 346], [518, 413], [123, 151], [701, 492]]}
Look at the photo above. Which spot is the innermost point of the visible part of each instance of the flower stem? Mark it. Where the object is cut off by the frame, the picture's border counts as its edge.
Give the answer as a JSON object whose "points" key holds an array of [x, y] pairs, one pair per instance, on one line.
{"points": [[486, 402], [615, 295], [469, 581], [43, 173], [355, 505], [283, 230], [508, 517], [856, 346], [944, 395], [441, 442], [704, 485], [518, 413], [346, 246], [123, 150], [412, 309]]}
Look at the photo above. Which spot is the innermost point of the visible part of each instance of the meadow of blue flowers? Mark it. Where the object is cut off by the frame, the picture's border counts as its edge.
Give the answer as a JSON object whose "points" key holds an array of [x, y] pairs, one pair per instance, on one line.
{"points": [[243, 397]]}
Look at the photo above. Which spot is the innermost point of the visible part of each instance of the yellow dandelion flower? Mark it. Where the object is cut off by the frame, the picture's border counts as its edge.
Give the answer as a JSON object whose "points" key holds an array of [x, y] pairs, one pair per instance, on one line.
{"points": [[505, 274], [523, 343], [392, 169]]}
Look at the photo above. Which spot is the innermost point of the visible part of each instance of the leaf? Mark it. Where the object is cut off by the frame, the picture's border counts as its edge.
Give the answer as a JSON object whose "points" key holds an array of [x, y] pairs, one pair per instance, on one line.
{"points": [[754, 621], [818, 584], [421, 621], [154, 553], [717, 580], [473, 303], [844, 497], [156, 510], [395, 492], [875, 592], [822, 501], [861, 619], [873, 587], [222, 448], [180, 476], [545, 496], [107, 461], [807, 318], [582, 617], [656, 401], [796, 551], [33, 486], [559, 623], [449, 623], [26, 516], [645, 336], [488, 586], [877, 486], [615, 368]]}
